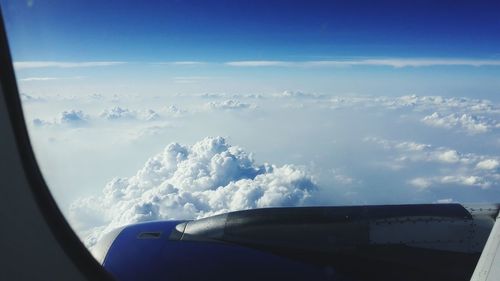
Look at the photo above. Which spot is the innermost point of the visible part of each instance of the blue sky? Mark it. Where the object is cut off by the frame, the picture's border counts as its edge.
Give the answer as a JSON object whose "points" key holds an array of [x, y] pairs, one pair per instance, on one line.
{"points": [[287, 37], [242, 30]]}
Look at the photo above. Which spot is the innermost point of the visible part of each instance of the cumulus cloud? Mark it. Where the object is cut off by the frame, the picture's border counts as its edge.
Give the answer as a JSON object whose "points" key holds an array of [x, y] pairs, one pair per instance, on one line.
{"points": [[67, 117], [72, 116], [230, 104], [469, 123], [174, 111], [298, 94], [417, 152], [467, 115], [488, 164], [119, 113], [466, 180], [149, 115], [448, 156], [445, 105], [417, 103], [186, 182], [463, 180], [468, 169]]}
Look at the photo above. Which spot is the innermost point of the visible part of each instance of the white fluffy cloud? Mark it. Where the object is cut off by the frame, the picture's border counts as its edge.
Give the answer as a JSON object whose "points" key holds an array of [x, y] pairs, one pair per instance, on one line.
{"points": [[472, 116], [119, 113], [230, 104], [448, 156], [467, 169], [187, 182], [298, 94], [67, 117], [464, 180], [488, 164], [418, 103], [174, 111], [78, 117], [72, 116], [116, 113], [469, 123]]}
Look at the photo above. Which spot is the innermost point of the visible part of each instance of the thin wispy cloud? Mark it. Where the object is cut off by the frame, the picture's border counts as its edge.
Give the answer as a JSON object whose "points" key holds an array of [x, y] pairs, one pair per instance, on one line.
{"points": [[190, 79], [391, 62], [254, 63], [188, 62], [180, 63], [30, 79], [18, 65], [38, 79]]}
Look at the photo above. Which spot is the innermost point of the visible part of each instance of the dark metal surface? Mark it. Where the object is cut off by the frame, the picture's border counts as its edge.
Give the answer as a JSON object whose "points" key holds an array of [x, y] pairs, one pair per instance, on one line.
{"points": [[317, 243]]}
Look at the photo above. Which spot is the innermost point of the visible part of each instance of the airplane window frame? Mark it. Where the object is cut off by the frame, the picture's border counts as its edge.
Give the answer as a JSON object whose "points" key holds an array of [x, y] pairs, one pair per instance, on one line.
{"points": [[60, 228]]}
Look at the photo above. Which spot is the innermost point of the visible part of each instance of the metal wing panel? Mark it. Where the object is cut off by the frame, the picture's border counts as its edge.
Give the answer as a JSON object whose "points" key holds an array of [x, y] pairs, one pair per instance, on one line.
{"points": [[488, 267]]}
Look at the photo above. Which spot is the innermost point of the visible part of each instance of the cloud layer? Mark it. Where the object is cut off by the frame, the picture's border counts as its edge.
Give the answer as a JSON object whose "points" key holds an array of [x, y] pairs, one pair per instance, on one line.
{"points": [[450, 151], [185, 182], [471, 124], [392, 62], [230, 104], [119, 113], [68, 117], [454, 168], [417, 103]]}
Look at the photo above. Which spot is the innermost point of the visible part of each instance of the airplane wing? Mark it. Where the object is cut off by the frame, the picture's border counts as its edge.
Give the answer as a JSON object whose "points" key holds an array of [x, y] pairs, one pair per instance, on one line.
{"points": [[389, 242], [488, 267]]}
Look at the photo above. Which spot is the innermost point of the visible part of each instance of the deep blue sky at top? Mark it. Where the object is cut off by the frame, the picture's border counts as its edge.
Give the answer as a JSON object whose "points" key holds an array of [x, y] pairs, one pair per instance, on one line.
{"points": [[250, 30]]}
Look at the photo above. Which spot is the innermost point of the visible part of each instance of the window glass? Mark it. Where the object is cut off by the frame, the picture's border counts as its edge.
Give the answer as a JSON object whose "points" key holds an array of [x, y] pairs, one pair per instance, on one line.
{"points": [[148, 110]]}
